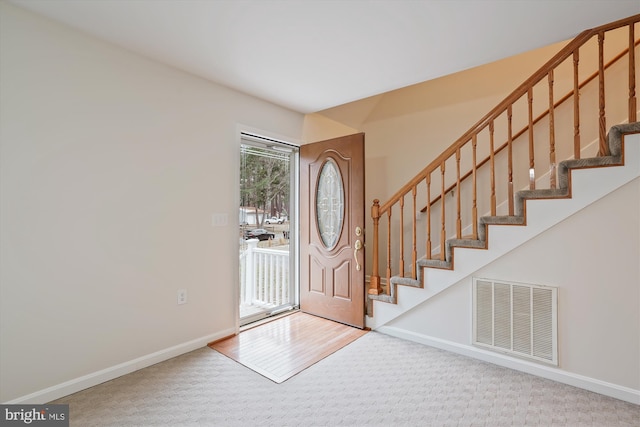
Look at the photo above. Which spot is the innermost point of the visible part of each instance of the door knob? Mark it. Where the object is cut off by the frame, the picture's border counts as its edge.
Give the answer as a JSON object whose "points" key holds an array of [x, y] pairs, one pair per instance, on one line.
{"points": [[357, 246]]}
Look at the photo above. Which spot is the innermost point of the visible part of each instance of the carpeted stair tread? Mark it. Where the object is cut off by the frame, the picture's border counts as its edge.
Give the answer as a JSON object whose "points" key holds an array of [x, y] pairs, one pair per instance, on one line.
{"points": [[467, 243], [616, 134], [544, 193], [383, 297], [407, 281], [502, 220], [497, 220], [437, 263], [591, 162]]}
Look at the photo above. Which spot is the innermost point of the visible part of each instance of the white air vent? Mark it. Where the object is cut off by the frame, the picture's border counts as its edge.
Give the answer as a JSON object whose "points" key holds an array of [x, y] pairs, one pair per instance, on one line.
{"points": [[516, 318]]}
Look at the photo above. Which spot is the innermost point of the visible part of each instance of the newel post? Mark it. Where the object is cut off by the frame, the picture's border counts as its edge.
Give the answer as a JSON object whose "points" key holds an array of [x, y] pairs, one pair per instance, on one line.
{"points": [[375, 288]]}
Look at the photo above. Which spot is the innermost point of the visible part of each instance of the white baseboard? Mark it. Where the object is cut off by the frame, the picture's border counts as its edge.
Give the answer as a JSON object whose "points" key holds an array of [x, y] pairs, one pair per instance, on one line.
{"points": [[548, 372], [75, 385]]}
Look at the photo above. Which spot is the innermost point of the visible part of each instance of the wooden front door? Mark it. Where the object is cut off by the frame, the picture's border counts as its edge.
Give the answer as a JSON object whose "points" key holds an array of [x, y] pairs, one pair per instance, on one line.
{"points": [[332, 229]]}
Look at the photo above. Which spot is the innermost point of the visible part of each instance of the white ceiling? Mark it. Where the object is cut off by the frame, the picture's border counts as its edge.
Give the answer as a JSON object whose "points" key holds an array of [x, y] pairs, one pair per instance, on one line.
{"points": [[309, 55]]}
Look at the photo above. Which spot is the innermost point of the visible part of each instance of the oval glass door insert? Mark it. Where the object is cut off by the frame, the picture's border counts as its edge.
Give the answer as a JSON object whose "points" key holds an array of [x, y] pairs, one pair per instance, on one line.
{"points": [[329, 203]]}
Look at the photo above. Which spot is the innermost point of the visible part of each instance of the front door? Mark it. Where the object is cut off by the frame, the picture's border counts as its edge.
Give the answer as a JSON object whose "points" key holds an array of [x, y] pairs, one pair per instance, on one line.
{"points": [[332, 229]]}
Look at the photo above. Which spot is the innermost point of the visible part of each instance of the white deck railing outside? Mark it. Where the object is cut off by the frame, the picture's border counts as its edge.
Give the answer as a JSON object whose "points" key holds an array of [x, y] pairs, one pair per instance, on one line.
{"points": [[264, 276]]}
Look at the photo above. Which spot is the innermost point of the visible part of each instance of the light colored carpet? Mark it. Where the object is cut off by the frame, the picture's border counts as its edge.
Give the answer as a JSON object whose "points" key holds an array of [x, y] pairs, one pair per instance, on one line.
{"points": [[377, 380]]}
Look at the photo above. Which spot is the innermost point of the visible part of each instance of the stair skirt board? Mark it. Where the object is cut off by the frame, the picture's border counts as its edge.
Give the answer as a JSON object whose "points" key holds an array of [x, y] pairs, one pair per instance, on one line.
{"points": [[544, 371]]}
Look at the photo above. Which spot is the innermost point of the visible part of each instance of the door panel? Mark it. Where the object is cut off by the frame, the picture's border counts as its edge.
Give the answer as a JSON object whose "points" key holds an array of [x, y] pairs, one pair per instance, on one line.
{"points": [[331, 207]]}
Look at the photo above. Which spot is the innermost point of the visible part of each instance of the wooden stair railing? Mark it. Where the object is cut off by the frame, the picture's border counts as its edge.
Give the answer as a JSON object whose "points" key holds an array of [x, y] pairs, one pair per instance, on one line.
{"points": [[489, 185], [544, 114]]}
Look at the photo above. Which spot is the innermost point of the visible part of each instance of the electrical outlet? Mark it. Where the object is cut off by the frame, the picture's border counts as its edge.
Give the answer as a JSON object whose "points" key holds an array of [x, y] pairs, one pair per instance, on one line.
{"points": [[182, 296]]}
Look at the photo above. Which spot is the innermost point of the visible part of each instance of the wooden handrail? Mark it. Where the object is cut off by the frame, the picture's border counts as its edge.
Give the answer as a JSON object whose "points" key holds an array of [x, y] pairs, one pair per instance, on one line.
{"points": [[469, 141], [544, 114]]}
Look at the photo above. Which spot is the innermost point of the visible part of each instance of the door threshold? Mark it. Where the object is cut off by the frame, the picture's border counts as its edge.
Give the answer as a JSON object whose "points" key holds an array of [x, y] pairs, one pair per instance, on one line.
{"points": [[269, 319]]}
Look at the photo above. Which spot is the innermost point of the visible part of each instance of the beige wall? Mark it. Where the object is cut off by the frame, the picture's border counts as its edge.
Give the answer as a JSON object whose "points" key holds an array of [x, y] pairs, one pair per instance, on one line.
{"points": [[407, 128], [112, 166], [319, 128]]}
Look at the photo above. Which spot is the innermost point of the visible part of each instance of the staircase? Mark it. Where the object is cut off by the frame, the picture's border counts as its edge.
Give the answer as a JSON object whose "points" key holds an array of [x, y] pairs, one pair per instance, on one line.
{"points": [[449, 228], [537, 212]]}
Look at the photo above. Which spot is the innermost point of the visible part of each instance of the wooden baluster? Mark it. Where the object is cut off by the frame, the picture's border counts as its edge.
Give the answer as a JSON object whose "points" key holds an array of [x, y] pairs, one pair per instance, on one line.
{"points": [[389, 251], [603, 149], [532, 170], [401, 263], [374, 281], [458, 206], [474, 208], [510, 158], [428, 249], [632, 76], [414, 251], [443, 231], [576, 105], [493, 168], [552, 135]]}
